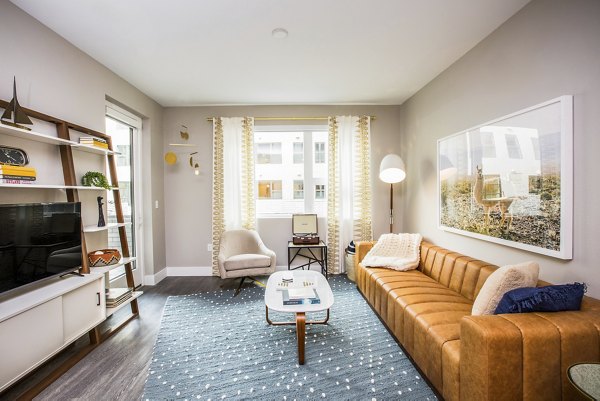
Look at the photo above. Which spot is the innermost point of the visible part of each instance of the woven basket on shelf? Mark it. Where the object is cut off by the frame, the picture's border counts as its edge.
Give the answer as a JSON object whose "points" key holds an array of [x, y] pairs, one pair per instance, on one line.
{"points": [[104, 257]]}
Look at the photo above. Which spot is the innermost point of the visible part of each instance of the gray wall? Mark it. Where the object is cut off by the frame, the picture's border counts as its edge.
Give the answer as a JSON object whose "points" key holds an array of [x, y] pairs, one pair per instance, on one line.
{"points": [[56, 78], [188, 197], [549, 48]]}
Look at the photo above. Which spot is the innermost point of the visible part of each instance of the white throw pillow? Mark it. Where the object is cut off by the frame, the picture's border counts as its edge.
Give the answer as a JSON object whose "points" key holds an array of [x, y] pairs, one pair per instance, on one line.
{"points": [[501, 281]]}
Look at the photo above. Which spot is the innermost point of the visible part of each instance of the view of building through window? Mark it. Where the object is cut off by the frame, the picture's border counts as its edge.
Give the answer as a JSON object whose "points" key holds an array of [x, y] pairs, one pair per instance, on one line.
{"points": [[291, 172]]}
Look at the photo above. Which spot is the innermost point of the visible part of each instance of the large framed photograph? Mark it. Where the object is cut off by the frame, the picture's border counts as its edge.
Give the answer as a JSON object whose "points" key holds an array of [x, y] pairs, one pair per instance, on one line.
{"points": [[510, 180]]}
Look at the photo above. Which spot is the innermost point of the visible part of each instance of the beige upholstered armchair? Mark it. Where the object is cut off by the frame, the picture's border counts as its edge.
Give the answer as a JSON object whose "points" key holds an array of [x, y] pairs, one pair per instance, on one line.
{"points": [[243, 254]]}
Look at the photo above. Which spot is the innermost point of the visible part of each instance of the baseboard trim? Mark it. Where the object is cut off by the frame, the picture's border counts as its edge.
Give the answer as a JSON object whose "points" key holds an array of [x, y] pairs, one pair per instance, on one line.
{"points": [[178, 271], [153, 279], [183, 271]]}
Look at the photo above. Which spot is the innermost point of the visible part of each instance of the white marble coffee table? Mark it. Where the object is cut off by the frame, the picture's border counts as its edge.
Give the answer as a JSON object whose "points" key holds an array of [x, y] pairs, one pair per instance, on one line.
{"points": [[274, 300]]}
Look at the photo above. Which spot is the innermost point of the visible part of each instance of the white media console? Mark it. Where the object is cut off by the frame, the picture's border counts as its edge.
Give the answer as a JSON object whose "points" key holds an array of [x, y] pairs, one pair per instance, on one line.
{"points": [[38, 324]]}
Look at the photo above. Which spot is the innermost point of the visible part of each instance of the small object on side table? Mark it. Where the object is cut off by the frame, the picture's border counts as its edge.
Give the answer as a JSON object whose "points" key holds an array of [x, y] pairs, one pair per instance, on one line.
{"points": [[101, 222], [585, 377]]}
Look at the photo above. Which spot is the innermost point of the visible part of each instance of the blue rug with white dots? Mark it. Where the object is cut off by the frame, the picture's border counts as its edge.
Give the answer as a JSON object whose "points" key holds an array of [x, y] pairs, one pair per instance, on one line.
{"points": [[213, 346]]}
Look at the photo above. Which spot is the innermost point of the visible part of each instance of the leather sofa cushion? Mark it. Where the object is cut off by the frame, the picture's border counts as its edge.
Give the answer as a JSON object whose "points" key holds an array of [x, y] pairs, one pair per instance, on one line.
{"points": [[451, 370], [431, 332], [246, 261]]}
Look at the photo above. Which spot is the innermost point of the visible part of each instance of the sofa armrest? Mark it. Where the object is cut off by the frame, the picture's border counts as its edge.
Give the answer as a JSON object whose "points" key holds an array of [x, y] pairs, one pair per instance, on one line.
{"points": [[362, 248], [525, 355]]}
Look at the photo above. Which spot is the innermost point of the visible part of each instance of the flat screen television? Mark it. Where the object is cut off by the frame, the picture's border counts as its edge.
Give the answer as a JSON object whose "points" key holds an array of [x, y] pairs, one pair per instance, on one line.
{"points": [[38, 241]]}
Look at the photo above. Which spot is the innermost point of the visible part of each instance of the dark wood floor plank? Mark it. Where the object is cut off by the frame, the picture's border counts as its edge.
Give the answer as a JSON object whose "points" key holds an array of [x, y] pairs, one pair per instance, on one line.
{"points": [[117, 369]]}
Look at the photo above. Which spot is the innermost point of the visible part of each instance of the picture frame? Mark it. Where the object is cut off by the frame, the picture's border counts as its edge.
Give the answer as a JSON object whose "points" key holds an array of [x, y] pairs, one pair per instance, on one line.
{"points": [[510, 180]]}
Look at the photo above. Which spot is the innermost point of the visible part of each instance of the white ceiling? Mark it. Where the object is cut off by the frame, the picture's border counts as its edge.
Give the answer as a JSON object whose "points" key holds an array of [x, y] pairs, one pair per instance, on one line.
{"points": [[190, 52]]}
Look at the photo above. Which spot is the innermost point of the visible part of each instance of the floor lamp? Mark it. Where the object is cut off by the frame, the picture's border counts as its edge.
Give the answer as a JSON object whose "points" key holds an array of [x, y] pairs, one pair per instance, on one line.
{"points": [[392, 171]]}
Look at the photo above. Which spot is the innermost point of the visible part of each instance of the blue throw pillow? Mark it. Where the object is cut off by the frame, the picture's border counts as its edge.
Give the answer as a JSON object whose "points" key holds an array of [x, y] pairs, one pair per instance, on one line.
{"points": [[553, 298]]}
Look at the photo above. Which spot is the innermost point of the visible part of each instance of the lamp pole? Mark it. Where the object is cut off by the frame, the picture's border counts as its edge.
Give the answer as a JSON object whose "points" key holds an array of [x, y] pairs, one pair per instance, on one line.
{"points": [[391, 208], [392, 170]]}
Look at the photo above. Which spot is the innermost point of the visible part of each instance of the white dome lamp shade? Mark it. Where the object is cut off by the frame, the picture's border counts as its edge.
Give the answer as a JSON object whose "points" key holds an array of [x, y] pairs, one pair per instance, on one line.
{"points": [[392, 171]]}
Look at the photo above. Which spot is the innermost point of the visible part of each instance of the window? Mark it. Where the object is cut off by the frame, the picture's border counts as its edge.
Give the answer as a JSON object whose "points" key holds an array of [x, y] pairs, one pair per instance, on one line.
{"points": [[492, 187], [319, 152], [298, 189], [535, 184], [488, 145], [268, 153], [298, 152], [320, 191], [123, 155], [269, 189], [513, 147], [285, 166], [535, 143]]}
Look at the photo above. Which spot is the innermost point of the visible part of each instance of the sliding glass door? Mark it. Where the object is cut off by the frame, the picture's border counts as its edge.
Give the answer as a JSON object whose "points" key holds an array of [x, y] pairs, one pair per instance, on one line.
{"points": [[124, 131]]}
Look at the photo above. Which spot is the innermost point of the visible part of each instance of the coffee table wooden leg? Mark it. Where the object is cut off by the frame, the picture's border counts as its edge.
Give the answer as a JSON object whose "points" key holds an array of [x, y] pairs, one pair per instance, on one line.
{"points": [[300, 334]]}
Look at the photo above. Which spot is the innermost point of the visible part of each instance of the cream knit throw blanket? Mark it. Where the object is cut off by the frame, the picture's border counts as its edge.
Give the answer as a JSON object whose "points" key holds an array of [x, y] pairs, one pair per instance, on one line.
{"points": [[395, 251]]}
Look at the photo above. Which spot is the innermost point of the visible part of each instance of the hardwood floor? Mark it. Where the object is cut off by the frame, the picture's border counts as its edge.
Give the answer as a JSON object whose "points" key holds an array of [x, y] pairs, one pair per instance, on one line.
{"points": [[117, 369]]}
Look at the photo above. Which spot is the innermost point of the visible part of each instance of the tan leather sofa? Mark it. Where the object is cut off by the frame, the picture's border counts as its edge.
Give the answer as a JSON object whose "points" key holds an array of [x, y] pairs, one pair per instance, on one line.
{"points": [[503, 357]]}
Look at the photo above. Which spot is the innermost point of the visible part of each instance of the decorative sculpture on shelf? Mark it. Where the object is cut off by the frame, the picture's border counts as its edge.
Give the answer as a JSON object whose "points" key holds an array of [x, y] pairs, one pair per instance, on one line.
{"points": [[15, 112], [101, 222]]}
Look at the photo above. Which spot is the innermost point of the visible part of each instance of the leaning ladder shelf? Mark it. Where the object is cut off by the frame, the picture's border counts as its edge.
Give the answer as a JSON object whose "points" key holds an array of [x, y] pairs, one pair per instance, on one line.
{"points": [[66, 147]]}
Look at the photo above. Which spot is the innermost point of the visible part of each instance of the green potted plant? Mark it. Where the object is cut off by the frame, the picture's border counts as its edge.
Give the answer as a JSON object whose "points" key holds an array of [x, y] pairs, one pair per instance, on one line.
{"points": [[95, 179]]}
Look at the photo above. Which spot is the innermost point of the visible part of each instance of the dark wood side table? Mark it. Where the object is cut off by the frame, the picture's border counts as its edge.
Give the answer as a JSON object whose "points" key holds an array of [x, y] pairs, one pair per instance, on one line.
{"points": [[307, 251], [585, 377]]}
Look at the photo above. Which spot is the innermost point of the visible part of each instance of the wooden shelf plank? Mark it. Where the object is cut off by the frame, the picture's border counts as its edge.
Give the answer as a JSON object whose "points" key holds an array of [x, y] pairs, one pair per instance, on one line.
{"points": [[135, 295], [106, 269], [93, 229], [34, 136], [93, 149], [44, 186]]}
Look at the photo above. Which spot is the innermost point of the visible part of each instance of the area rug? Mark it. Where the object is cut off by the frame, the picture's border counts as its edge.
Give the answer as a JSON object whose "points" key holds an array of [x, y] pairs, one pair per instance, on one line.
{"points": [[213, 346]]}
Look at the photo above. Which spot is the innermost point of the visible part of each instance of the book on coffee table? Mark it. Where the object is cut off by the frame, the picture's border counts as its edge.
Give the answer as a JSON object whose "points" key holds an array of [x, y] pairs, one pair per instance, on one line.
{"points": [[300, 296]]}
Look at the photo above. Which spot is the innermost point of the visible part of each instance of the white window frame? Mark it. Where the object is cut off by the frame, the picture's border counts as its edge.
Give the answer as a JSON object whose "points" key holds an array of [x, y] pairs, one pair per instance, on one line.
{"points": [[317, 190], [271, 184], [294, 153], [307, 130], [294, 190], [271, 153], [323, 152]]}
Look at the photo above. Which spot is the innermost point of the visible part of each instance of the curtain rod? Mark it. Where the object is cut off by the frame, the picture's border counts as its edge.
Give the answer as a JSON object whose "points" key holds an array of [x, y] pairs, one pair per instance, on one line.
{"points": [[211, 119]]}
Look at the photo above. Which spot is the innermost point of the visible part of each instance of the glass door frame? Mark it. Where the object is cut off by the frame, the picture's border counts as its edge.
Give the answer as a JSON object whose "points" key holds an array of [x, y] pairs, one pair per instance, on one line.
{"points": [[121, 115]]}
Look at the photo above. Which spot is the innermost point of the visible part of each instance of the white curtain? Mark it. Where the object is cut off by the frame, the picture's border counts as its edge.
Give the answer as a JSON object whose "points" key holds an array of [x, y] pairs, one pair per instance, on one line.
{"points": [[349, 183], [233, 178]]}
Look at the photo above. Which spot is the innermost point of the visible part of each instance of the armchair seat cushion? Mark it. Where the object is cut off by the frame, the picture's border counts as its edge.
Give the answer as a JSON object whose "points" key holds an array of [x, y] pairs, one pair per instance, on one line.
{"points": [[246, 261]]}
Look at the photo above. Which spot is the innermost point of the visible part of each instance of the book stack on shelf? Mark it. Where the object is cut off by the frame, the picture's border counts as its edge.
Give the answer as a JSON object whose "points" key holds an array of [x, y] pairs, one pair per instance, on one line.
{"points": [[17, 174], [93, 141], [116, 296], [300, 296]]}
